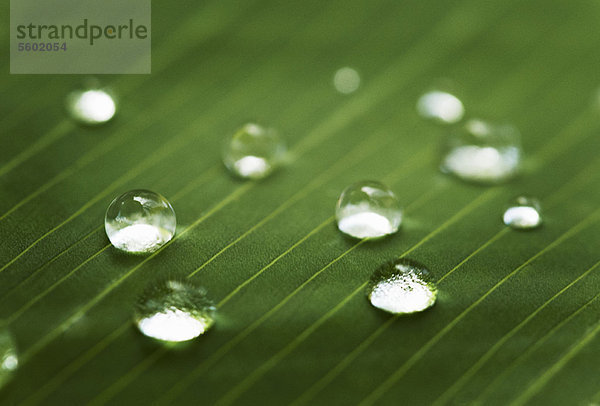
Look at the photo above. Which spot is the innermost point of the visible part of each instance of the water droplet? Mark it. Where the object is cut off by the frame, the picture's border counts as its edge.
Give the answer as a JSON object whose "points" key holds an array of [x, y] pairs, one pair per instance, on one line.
{"points": [[368, 210], [93, 106], [440, 106], [174, 312], [482, 152], [253, 151], [346, 80], [402, 287], [140, 221], [523, 214], [8, 357]]}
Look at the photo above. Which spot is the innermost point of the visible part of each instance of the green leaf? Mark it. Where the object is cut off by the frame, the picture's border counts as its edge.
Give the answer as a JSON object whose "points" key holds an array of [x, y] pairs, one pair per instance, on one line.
{"points": [[516, 318]]}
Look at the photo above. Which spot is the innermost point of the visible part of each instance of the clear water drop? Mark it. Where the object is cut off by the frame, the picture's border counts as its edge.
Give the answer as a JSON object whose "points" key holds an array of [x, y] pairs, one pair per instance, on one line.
{"points": [[441, 107], [346, 80], [402, 287], [253, 151], [482, 152], [92, 106], [524, 213], [368, 209], [174, 312], [140, 221], [9, 360]]}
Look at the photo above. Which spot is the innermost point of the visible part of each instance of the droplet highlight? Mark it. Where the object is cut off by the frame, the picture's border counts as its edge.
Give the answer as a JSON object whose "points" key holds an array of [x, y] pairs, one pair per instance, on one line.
{"points": [[91, 107], [442, 107], [482, 152], [523, 214], [402, 287], [9, 360], [140, 221], [253, 152], [368, 210], [346, 80], [174, 312]]}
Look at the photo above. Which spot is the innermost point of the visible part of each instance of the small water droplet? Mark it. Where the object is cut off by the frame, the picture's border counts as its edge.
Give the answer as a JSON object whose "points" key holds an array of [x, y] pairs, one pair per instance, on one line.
{"points": [[253, 151], [368, 210], [346, 80], [440, 106], [140, 221], [174, 312], [402, 286], [92, 106], [523, 214], [9, 360], [483, 152]]}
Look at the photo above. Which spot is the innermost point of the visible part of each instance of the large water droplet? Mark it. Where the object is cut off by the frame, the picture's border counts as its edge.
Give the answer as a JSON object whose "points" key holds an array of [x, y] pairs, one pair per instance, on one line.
{"points": [[253, 151], [346, 80], [402, 287], [368, 210], [8, 357], [523, 214], [140, 221], [440, 106], [94, 106], [174, 312], [482, 152]]}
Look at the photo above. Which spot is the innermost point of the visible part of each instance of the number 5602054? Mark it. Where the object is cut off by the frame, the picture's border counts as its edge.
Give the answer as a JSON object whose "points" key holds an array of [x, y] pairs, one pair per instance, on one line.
{"points": [[41, 46]]}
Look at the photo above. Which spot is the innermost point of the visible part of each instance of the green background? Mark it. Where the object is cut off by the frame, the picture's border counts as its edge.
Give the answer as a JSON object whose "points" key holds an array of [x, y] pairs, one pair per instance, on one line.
{"points": [[517, 314]]}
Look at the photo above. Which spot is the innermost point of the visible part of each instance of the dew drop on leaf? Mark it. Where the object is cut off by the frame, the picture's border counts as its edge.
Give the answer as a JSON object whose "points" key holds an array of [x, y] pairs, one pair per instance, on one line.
{"points": [[91, 107], [140, 221], [368, 209], [524, 213], [8, 357], [174, 311], [402, 287], [441, 107], [346, 80], [253, 151], [483, 152]]}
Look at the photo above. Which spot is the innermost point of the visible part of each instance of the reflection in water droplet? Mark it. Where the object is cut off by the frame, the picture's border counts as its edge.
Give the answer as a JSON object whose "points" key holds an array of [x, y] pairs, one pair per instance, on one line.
{"points": [[441, 107], [174, 312], [8, 357], [523, 214], [346, 80], [402, 287], [368, 210], [140, 221], [482, 152], [253, 152], [91, 106]]}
